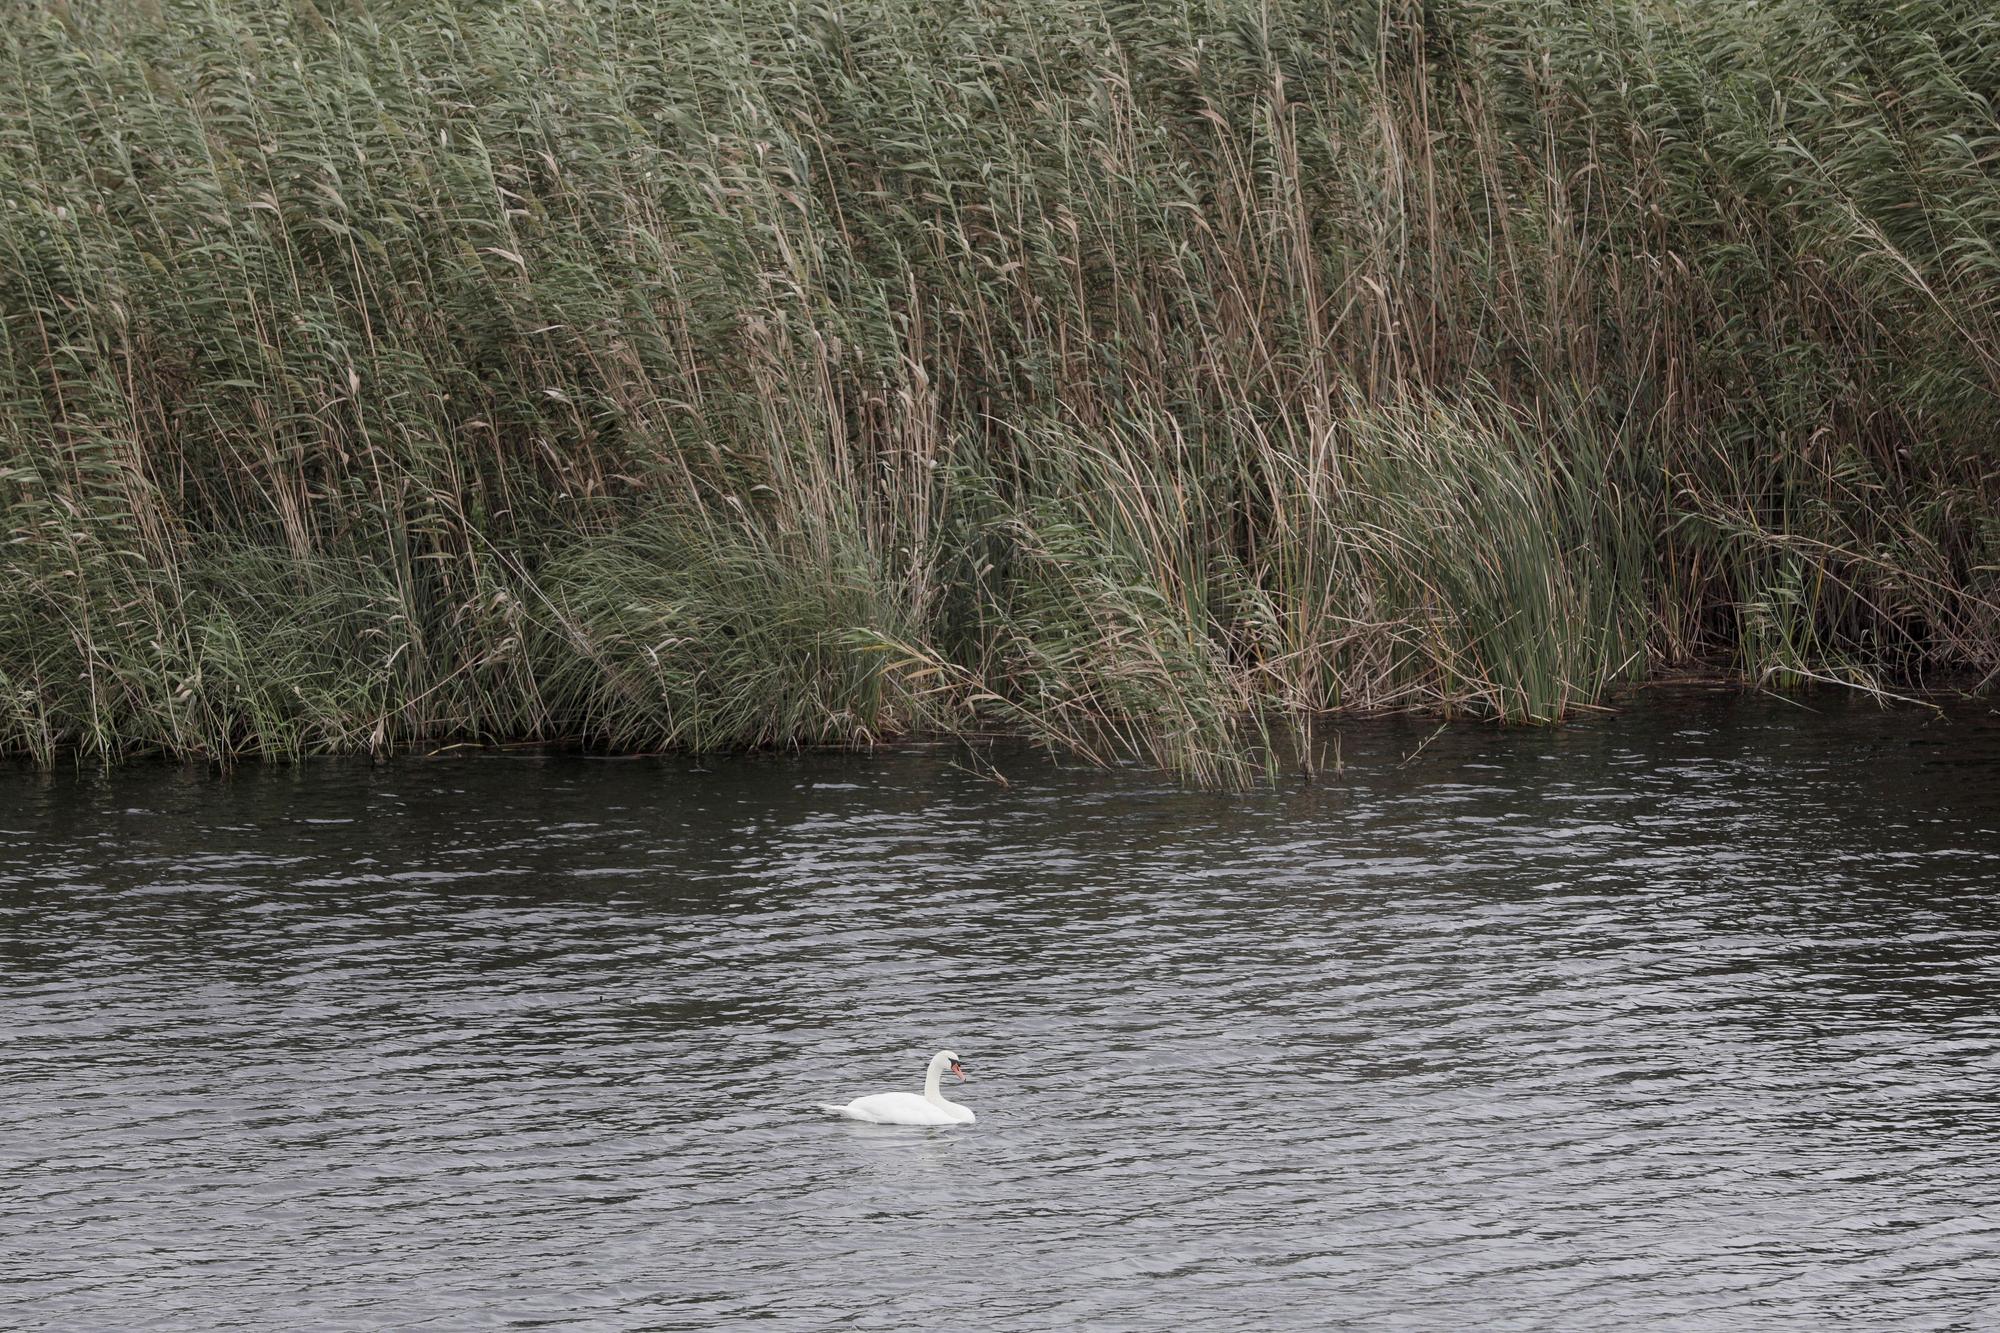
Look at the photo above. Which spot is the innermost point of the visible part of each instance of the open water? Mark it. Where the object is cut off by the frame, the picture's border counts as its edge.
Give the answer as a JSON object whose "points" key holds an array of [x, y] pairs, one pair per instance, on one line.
{"points": [[1685, 1018]]}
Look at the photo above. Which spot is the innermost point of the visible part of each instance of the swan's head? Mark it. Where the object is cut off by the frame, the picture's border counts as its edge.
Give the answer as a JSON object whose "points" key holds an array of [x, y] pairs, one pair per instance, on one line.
{"points": [[949, 1060]]}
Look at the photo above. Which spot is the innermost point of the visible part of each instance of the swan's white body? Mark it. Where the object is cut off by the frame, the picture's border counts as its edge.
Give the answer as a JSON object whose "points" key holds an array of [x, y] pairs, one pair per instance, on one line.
{"points": [[906, 1108]]}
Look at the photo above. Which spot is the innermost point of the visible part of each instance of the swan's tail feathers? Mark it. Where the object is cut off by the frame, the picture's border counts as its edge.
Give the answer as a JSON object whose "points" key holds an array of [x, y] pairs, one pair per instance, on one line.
{"points": [[831, 1109]]}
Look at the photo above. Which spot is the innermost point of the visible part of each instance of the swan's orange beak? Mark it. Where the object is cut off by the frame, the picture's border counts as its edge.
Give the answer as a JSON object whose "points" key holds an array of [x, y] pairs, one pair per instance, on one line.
{"points": [[959, 1070]]}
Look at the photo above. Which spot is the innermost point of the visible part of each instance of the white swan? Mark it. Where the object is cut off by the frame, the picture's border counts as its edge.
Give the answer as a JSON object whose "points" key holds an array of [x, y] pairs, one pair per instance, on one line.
{"points": [[906, 1108]]}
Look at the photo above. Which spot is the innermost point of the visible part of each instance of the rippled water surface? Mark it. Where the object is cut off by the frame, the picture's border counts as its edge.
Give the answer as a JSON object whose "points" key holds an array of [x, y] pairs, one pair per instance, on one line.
{"points": [[1686, 1018]]}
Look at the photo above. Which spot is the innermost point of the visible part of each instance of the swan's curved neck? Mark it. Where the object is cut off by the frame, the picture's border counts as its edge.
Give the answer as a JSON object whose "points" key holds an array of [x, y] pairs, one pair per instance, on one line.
{"points": [[932, 1092]]}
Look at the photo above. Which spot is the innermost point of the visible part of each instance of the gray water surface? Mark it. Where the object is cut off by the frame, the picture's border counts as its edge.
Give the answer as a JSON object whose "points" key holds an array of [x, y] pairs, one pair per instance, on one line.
{"points": [[1687, 1018]]}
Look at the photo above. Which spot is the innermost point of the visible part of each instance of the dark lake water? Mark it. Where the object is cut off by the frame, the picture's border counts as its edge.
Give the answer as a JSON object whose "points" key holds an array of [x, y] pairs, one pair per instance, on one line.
{"points": [[1688, 1018]]}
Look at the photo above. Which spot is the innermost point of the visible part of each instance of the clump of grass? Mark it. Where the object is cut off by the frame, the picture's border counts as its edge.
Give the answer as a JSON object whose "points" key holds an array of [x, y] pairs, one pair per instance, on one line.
{"points": [[1126, 376], [1495, 563], [674, 632], [1089, 638]]}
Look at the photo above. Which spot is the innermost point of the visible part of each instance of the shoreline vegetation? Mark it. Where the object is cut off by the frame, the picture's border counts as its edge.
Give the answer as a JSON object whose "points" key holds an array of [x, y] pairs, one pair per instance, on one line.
{"points": [[1135, 378]]}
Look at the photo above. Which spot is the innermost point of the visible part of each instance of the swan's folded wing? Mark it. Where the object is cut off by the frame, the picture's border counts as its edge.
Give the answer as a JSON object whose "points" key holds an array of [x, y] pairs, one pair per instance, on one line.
{"points": [[896, 1108]]}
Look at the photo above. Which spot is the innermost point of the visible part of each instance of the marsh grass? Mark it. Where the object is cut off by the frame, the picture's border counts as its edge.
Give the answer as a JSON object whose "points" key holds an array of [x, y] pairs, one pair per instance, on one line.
{"points": [[1138, 378]]}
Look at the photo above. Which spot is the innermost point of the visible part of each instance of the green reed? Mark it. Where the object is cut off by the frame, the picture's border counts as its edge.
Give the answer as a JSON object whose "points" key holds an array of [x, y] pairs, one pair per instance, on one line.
{"points": [[380, 372]]}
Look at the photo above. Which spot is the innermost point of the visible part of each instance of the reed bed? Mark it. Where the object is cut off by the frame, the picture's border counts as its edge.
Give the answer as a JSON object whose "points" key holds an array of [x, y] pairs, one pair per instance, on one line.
{"points": [[1141, 379]]}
